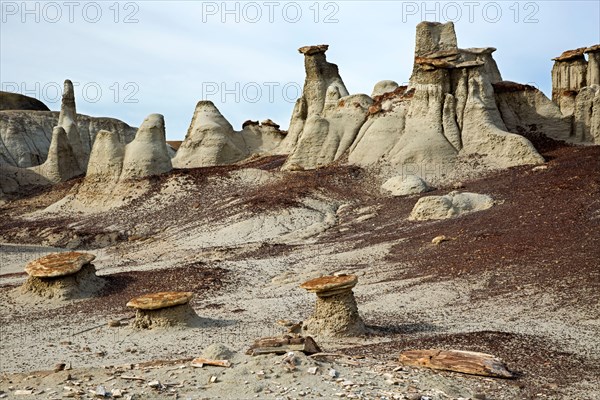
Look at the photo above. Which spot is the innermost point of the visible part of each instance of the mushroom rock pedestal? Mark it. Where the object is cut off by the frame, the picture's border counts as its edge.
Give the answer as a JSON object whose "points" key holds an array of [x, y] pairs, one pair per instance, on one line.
{"points": [[336, 312], [163, 309], [62, 275]]}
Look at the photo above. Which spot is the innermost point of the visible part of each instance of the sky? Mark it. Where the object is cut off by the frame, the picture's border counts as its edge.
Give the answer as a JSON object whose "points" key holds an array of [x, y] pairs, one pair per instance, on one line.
{"points": [[129, 59]]}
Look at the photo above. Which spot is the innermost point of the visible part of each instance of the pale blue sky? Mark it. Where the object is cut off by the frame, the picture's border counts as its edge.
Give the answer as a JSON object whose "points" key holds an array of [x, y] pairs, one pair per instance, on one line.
{"points": [[171, 54]]}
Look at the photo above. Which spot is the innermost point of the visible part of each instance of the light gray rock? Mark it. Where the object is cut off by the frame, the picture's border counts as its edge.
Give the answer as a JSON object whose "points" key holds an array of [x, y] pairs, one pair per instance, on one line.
{"points": [[211, 140], [106, 158], [147, 154], [454, 204], [593, 67], [524, 108], [405, 185], [62, 163], [25, 135], [382, 87], [586, 126], [448, 111], [68, 120], [323, 82], [326, 120]]}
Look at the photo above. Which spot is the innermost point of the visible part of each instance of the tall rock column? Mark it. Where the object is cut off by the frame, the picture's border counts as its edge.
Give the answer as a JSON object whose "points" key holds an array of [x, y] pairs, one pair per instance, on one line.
{"points": [[593, 67], [68, 121], [326, 120], [320, 76], [569, 74]]}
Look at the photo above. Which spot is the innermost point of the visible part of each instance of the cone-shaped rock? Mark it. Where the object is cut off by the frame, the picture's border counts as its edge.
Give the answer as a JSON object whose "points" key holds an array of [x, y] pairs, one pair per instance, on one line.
{"points": [[147, 154], [210, 140], [106, 158], [61, 163]]}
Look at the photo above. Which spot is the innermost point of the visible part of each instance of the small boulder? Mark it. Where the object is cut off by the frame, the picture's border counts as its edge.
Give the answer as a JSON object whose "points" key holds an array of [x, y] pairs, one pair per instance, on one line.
{"points": [[454, 204], [382, 87], [405, 185]]}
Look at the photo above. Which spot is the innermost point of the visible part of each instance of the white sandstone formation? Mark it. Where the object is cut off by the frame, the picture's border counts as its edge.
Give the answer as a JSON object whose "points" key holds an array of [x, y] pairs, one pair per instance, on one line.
{"points": [[211, 140], [67, 119], [325, 120], [454, 204], [569, 74], [448, 111], [525, 109], [62, 162], [106, 158], [575, 89], [25, 135], [147, 154], [113, 166]]}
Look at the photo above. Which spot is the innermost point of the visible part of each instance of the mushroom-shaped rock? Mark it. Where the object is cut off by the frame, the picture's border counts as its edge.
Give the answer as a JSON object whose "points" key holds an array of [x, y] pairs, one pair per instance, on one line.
{"points": [[62, 275], [58, 264], [162, 309], [336, 312]]}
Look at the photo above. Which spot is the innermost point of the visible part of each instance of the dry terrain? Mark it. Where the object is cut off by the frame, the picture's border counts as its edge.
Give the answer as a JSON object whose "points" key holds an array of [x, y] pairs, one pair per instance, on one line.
{"points": [[520, 281]]}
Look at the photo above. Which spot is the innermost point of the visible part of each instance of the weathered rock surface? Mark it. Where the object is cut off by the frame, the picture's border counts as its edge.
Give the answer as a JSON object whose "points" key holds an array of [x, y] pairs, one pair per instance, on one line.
{"points": [[575, 83], [454, 204], [325, 120], [155, 301], [147, 154], [67, 119], [382, 87], [25, 135], [569, 74], [593, 67], [162, 310], [17, 101], [58, 264], [525, 109], [405, 185], [62, 275], [211, 140], [62, 162], [113, 166], [106, 159], [447, 111]]}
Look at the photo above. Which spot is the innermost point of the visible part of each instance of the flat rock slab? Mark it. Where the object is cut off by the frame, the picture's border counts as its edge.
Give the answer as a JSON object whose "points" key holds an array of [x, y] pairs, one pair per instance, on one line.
{"points": [[58, 264], [330, 283], [156, 301]]}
